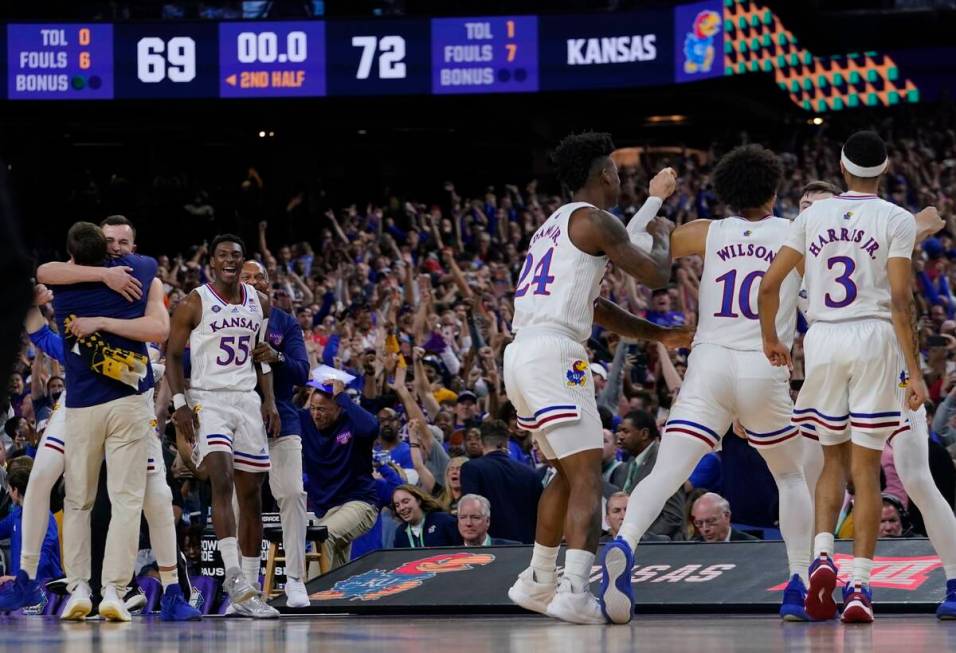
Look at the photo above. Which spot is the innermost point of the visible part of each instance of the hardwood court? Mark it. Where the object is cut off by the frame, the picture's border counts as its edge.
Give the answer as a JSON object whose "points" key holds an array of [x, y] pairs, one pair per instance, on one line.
{"points": [[477, 634]]}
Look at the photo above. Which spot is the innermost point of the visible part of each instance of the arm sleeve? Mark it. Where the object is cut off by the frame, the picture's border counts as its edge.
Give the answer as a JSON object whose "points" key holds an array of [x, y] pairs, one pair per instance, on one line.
{"points": [[647, 212], [48, 342], [296, 357], [364, 424], [797, 234], [902, 235]]}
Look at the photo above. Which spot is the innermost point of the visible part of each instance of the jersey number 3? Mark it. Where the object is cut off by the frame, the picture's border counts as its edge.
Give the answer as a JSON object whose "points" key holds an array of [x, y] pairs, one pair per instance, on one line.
{"points": [[844, 280], [542, 275]]}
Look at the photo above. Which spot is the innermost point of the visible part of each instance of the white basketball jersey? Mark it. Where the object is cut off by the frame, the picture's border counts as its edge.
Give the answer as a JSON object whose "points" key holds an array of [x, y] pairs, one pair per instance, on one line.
{"points": [[738, 254], [559, 282], [846, 241], [220, 347]]}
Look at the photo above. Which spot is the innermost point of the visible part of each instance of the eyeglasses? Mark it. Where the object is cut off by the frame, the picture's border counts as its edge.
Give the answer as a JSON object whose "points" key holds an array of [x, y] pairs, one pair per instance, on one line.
{"points": [[710, 521]]}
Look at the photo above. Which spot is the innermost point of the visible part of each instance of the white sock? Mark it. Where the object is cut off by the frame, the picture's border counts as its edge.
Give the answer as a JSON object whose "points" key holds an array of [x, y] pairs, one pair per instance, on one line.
{"points": [[250, 569], [823, 545], [168, 578], [229, 550], [30, 564], [577, 568], [861, 571], [544, 559]]}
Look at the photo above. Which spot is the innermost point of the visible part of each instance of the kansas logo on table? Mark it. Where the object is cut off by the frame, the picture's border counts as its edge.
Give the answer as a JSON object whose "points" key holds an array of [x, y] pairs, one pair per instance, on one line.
{"points": [[379, 583], [578, 374]]}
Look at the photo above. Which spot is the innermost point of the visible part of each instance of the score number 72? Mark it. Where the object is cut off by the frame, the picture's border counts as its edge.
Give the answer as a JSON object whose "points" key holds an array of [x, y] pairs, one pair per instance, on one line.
{"points": [[391, 55]]}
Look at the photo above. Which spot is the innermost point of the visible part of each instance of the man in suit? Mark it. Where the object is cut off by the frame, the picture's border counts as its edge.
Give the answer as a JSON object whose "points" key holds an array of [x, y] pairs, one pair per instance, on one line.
{"points": [[474, 520], [511, 488], [638, 436], [711, 517]]}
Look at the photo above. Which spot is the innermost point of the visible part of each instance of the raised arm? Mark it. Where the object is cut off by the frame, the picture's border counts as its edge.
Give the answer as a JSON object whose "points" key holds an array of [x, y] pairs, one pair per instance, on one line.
{"points": [[598, 232], [152, 327], [690, 239], [784, 262]]}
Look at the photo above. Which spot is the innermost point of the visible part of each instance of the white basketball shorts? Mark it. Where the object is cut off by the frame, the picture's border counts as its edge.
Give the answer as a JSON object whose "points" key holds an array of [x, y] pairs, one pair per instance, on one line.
{"points": [[722, 384], [855, 383], [548, 380], [231, 421]]}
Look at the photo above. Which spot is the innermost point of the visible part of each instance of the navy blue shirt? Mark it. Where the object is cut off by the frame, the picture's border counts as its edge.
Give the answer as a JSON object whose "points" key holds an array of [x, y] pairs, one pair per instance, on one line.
{"points": [[84, 386], [285, 335], [338, 460]]}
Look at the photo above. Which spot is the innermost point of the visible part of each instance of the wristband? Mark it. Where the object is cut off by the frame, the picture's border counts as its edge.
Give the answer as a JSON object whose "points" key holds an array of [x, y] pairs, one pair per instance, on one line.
{"points": [[179, 400]]}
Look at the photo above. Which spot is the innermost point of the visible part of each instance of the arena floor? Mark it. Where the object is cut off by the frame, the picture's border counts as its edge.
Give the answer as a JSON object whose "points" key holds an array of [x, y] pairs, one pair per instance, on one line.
{"points": [[477, 634]]}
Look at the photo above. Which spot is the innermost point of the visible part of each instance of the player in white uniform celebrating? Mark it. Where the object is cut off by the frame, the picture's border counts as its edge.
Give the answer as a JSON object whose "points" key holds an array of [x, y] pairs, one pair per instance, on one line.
{"points": [[856, 250], [223, 415], [728, 375], [910, 448], [546, 368]]}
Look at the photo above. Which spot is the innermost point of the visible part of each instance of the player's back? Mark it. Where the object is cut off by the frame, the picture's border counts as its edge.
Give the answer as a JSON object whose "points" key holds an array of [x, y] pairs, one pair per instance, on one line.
{"points": [[847, 241], [221, 344], [737, 255], [558, 282]]}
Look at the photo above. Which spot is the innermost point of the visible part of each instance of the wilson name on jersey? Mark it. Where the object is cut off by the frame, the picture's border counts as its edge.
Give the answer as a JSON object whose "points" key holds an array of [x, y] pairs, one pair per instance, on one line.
{"points": [[737, 256], [558, 282], [846, 242], [221, 345]]}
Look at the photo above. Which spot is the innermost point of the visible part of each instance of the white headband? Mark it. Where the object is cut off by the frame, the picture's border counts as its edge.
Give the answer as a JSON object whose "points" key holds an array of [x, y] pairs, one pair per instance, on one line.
{"points": [[860, 171]]}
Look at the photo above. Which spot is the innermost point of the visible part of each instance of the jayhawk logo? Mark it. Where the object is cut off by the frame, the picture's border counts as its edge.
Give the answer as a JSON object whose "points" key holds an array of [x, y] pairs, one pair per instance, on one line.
{"points": [[904, 379], [848, 215], [748, 232], [578, 374], [378, 583], [699, 43]]}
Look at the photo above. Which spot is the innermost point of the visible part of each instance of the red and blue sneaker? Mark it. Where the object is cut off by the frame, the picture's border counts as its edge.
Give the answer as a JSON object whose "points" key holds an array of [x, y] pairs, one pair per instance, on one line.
{"points": [[794, 600], [617, 595], [820, 605], [857, 604], [21, 593], [947, 609]]}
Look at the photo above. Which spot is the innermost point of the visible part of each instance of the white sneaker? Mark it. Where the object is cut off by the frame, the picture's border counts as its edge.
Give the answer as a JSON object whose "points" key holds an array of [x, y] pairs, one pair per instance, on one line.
{"points": [[112, 607], [79, 605], [530, 594], [575, 607], [296, 596]]}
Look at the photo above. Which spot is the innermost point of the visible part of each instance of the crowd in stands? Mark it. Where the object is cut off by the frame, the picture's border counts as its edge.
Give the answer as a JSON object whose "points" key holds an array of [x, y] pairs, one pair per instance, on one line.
{"points": [[413, 301]]}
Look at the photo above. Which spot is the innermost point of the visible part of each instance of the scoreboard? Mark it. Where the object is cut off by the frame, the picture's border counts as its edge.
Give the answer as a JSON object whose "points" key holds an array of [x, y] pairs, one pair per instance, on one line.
{"points": [[440, 56], [317, 58]]}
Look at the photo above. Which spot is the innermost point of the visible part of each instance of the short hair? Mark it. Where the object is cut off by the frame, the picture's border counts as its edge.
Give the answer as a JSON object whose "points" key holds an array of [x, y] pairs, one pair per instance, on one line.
{"points": [[820, 186], [54, 376], [483, 502], [721, 502], [661, 291], [494, 432], [747, 176], [11, 425], [227, 238], [643, 420], [576, 155], [619, 493], [117, 221], [86, 244], [18, 473], [865, 148]]}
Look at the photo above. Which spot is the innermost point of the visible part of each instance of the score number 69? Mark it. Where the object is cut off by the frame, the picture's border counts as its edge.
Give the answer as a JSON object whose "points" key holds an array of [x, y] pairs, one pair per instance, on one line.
{"points": [[157, 59]]}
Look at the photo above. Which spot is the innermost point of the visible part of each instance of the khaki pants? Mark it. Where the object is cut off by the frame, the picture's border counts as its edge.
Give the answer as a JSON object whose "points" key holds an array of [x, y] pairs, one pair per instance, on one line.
{"points": [[345, 523], [118, 430], [285, 481]]}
